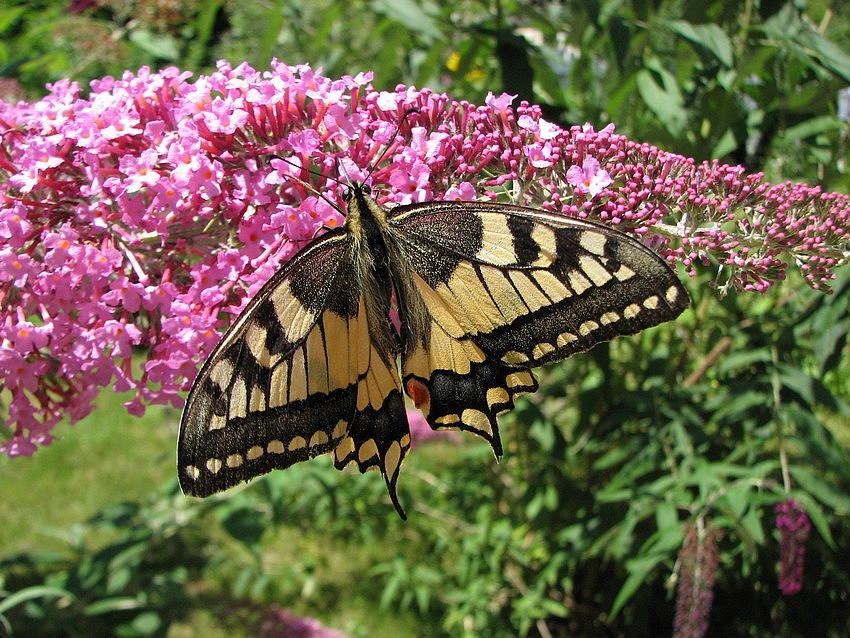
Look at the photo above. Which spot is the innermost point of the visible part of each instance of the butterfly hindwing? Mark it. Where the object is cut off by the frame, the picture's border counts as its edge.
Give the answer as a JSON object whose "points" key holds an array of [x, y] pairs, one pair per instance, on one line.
{"points": [[378, 439], [378, 436], [453, 382]]}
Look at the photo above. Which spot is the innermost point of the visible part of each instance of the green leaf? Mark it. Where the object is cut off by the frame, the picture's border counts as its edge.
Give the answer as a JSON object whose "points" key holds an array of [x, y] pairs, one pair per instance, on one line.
{"points": [[639, 570], [119, 578], [828, 344], [245, 523], [817, 517], [422, 594], [743, 359], [146, 624], [664, 100], [803, 385], [8, 17], [394, 583], [32, 593], [109, 605], [666, 541], [614, 457], [666, 516], [738, 403], [204, 24], [737, 499], [710, 37], [821, 489], [725, 144], [830, 54], [752, 523], [164, 47], [411, 15], [272, 24], [241, 583], [812, 127]]}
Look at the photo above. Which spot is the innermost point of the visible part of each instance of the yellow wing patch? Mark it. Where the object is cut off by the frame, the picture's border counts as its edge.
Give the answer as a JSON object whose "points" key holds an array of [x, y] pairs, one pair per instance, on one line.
{"points": [[454, 385]]}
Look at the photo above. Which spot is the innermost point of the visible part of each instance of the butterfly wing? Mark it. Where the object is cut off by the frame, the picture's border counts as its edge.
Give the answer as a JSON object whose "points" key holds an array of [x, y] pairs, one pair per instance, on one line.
{"points": [[378, 435], [498, 289], [296, 375]]}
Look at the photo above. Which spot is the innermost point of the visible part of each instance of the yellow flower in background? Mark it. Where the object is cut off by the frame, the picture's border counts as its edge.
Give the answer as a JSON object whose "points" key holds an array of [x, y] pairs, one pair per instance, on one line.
{"points": [[453, 64]]}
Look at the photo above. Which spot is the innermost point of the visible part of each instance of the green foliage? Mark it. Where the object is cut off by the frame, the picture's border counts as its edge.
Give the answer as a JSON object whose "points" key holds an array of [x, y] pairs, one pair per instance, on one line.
{"points": [[131, 586], [753, 83], [155, 567], [577, 530]]}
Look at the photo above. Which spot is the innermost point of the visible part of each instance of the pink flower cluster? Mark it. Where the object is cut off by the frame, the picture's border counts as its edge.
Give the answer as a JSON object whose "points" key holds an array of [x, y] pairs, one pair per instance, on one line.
{"points": [[278, 622], [139, 217], [696, 569], [794, 527], [421, 432]]}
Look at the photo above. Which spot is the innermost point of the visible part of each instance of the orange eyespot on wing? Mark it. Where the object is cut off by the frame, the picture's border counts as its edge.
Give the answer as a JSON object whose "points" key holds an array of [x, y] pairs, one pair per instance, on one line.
{"points": [[418, 392]]}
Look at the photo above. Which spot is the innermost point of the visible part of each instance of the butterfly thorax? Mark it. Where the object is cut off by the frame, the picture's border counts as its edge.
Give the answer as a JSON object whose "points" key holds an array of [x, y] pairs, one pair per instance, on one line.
{"points": [[366, 222]]}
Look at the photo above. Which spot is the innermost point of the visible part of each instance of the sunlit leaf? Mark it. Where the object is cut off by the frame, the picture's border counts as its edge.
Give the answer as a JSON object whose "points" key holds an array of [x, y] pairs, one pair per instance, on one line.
{"points": [[710, 37]]}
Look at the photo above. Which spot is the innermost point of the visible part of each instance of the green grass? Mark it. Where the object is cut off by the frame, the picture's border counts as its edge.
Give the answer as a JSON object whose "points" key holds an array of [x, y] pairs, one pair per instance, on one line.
{"points": [[108, 457], [112, 457]]}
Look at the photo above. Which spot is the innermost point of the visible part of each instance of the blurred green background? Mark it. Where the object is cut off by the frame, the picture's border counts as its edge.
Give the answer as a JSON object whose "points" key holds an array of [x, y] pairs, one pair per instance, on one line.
{"points": [[578, 531]]}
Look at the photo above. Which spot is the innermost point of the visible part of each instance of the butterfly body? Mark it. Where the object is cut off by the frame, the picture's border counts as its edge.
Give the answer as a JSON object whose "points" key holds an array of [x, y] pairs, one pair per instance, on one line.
{"points": [[483, 291]]}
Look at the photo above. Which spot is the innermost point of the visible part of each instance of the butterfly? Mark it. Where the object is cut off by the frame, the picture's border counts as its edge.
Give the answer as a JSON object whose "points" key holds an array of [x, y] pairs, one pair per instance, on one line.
{"points": [[483, 293]]}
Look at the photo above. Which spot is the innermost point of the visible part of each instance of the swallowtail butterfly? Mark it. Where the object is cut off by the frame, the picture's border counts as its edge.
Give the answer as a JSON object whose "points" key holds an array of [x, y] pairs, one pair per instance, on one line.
{"points": [[484, 292]]}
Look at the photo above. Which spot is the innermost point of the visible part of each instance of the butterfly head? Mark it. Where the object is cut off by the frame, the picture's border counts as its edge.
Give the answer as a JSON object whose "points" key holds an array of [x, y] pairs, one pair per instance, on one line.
{"points": [[364, 216], [356, 189]]}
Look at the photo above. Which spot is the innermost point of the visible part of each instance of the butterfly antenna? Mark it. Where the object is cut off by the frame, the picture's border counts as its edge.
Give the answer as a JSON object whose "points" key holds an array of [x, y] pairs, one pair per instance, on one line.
{"points": [[308, 185], [341, 166], [391, 143]]}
